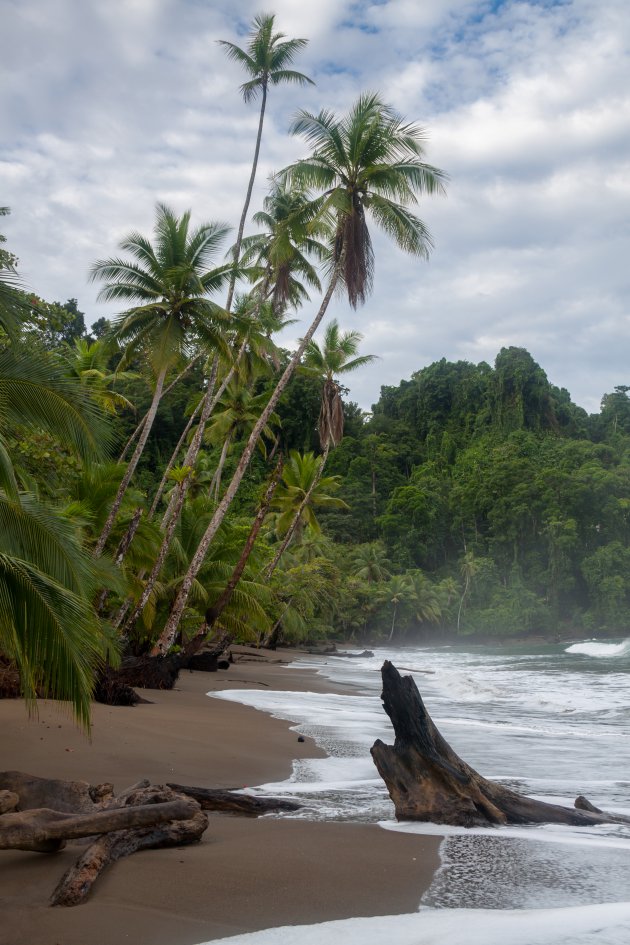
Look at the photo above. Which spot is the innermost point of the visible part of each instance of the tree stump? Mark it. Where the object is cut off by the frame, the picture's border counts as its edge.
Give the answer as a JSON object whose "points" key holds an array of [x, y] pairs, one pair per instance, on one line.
{"points": [[428, 781]]}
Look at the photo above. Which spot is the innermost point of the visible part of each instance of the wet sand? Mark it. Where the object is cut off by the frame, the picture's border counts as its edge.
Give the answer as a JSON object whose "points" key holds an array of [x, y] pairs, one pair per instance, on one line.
{"points": [[245, 874]]}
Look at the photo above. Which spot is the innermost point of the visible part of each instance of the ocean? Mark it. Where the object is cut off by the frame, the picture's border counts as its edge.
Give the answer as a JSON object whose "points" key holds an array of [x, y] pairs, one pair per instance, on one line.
{"points": [[551, 722]]}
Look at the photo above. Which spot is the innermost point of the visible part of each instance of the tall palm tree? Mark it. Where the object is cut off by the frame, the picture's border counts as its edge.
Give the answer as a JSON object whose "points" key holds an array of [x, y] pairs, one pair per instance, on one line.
{"points": [[172, 281], [368, 163], [265, 60], [361, 161], [469, 568]]}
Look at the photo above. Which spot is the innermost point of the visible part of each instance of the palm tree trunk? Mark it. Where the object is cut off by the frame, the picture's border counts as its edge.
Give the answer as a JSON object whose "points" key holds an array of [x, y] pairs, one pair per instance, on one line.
{"points": [[133, 462], [461, 603], [215, 485], [209, 404], [271, 567], [252, 177], [159, 561], [170, 628], [391, 632], [211, 382], [170, 387], [213, 613]]}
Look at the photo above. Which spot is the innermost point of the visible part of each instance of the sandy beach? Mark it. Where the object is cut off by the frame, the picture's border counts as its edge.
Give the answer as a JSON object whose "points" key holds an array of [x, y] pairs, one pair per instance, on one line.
{"points": [[246, 874]]}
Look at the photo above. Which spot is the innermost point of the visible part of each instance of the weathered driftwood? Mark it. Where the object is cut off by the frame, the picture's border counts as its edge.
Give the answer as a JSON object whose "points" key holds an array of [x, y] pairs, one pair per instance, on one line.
{"points": [[44, 830], [77, 882], [69, 796], [227, 802], [41, 814], [427, 781]]}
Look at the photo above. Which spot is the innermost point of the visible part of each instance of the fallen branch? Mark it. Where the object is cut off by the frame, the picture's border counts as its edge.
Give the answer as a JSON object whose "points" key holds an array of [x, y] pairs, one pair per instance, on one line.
{"points": [[428, 781], [77, 882], [229, 803]]}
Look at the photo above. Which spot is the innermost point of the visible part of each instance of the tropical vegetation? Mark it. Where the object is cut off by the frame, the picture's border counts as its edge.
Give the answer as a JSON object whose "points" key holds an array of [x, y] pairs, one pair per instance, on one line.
{"points": [[173, 473]]}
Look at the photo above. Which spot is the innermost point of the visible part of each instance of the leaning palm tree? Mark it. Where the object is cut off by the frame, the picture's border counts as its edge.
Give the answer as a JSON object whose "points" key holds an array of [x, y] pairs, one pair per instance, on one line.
{"points": [[265, 60], [47, 580], [362, 162], [171, 280], [368, 163]]}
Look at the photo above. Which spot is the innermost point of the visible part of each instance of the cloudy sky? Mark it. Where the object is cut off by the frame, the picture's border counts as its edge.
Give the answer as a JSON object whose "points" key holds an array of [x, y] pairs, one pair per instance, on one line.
{"points": [[110, 105]]}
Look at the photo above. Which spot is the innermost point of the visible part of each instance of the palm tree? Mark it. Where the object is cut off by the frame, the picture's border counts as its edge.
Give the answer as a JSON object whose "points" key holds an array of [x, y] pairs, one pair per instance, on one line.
{"points": [[47, 580], [327, 362], [399, 589], [13, 307], [265, 61], [425, 599], [361, 161], [171, 280], [469, 567], [292, 231], [299, 473], [238, 414], [370, 563], [366, 163]]}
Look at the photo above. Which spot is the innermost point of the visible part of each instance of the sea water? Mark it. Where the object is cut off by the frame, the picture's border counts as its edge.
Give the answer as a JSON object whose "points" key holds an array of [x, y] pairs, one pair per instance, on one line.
{"points": [[551, 722]]}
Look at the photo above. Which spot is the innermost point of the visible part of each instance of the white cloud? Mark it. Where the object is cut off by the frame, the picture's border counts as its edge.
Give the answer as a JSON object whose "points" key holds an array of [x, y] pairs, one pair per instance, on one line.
{"points": [[108, 107]]}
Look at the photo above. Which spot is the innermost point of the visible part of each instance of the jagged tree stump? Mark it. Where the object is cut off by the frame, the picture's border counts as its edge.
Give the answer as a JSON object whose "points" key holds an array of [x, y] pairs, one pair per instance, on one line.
{"points": [[428, 781]]}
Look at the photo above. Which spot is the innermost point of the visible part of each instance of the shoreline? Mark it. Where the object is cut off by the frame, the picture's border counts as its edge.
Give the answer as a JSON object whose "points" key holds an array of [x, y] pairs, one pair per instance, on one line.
{"points": [[244, 875]]}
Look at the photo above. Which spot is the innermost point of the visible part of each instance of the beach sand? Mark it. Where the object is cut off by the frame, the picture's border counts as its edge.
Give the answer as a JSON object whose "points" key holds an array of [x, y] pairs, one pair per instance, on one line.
{"points": [[246, 874]]}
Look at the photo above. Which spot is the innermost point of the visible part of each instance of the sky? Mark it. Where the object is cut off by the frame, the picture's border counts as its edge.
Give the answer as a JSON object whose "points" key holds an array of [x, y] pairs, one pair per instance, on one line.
{"points": [[108, 106]]}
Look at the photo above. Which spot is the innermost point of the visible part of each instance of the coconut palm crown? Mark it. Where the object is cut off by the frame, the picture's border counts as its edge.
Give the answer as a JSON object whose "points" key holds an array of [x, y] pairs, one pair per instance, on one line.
{"points": [[369, 161], [171, 281]]}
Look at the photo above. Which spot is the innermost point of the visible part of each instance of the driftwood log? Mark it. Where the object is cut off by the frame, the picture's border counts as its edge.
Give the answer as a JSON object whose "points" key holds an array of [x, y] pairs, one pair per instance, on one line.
{"points": [[227, 802], [41, 814], [428, 781]]}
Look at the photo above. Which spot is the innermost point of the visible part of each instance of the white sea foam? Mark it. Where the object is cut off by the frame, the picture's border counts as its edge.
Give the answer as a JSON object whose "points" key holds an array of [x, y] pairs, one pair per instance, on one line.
{"points": [[605, 836], [604, 924], [598, 649]]}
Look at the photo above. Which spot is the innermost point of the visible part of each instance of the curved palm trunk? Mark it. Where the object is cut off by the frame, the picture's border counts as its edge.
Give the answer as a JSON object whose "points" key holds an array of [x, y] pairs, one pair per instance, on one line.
{"points": [[213, 613], [170, 628], [271, 567], [209, 403], [170, 387], [159, 561], [215, 485], [200, 406], [250, 187], [133, 462], [461, 603], [172, 461]]}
